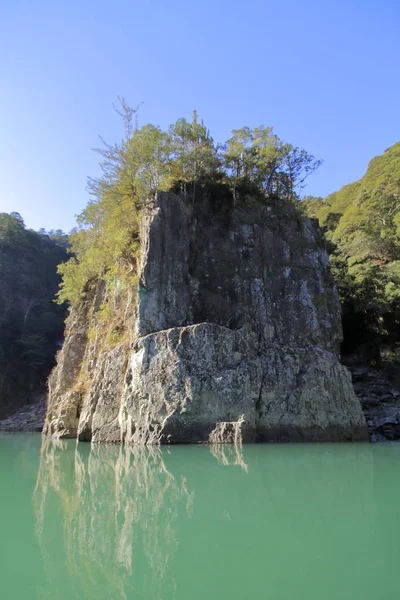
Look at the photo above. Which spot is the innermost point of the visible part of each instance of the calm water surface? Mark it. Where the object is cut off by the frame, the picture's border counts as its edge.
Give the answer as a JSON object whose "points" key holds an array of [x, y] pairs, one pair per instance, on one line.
{"points": [[280, 522]]}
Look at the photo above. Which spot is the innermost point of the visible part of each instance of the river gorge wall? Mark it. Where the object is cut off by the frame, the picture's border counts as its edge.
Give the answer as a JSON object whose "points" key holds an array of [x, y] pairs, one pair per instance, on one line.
{"points": [[233, 330]]}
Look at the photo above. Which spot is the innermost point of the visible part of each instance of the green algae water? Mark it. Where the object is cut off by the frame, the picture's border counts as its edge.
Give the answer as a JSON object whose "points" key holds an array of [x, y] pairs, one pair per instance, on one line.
{"points": [[279, 522]]}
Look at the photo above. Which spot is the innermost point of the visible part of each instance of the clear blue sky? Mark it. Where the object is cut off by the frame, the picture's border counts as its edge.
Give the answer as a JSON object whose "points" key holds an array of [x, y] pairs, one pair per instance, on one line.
{"points": [[324, 73]]}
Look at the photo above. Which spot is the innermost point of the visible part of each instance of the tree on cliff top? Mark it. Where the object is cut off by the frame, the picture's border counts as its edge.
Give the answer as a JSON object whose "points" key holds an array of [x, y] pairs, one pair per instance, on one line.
{"points": [[106, 240], [194, 155], [259, 157]]}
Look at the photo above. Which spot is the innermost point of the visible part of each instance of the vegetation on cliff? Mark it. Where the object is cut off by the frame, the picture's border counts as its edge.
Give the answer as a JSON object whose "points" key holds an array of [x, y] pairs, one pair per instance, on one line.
{"points": [[31, 324], [361, 221], [362, 225], [105, 243]]}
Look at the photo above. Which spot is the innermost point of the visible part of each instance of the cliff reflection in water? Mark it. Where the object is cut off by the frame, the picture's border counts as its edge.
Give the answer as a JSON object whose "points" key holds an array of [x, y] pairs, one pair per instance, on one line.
{"points": [[195, 522], [117, 505]]}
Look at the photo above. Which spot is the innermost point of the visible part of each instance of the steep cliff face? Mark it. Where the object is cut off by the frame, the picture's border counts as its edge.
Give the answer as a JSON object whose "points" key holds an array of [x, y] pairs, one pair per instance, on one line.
{"points": [[236, 326]]}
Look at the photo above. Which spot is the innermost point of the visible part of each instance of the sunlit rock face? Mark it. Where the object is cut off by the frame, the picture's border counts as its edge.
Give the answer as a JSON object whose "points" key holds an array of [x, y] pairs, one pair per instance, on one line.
{"points": [[236, 320]]}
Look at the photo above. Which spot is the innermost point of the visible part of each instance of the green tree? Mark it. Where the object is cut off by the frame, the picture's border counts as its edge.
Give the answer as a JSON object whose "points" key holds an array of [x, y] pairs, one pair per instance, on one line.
{"points": [[195, 156], [258, 157], [106, 241]]}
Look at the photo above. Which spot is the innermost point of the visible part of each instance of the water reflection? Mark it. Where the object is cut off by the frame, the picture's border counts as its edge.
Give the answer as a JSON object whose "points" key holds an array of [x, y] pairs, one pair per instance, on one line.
{"points": [[131, 522], [112, 500], [229, 455]]}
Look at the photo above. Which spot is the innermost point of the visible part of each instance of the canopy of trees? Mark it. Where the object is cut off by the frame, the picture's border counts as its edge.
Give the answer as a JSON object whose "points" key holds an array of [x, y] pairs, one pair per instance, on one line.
{"points": [[105, 243], [362, 224], [31, 324]]}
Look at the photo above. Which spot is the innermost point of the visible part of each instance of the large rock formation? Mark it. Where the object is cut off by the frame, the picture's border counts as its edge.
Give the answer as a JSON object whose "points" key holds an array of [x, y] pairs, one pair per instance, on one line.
{"points": [[237, 326]]}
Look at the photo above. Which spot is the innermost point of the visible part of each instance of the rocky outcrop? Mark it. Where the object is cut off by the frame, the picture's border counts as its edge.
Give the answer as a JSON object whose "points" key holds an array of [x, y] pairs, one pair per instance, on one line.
{"points": [[237, 321], [28, 418], [379, 393]]}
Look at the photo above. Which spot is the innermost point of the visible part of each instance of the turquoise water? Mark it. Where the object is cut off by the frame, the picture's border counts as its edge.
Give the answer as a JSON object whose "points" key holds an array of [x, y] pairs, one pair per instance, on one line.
{"points": [[282, 522]]}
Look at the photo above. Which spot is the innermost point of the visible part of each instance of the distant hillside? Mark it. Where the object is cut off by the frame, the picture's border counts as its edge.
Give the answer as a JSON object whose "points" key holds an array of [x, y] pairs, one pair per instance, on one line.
{"points": [[31, 324], [362, 224]]}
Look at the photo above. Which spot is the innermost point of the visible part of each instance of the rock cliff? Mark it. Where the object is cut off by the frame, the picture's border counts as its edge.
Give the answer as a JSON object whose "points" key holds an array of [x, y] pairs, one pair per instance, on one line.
{"points": [[235, 329]]}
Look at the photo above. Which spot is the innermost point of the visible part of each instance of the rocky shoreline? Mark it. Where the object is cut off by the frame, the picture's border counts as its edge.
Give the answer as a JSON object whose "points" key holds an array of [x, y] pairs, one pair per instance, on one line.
{"points": [[377, 390], [28, 418], [379, 394]]}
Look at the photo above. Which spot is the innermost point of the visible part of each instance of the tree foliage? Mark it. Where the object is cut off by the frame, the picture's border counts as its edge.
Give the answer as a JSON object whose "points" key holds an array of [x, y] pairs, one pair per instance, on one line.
{"points": [[106, 241], [259, 157], [362, 223], [31, 324]]}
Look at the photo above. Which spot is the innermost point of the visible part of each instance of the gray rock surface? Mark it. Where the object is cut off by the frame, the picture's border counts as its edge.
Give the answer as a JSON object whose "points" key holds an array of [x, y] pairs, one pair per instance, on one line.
{"points": [[379, 394], [237, 321], [28, 418]]}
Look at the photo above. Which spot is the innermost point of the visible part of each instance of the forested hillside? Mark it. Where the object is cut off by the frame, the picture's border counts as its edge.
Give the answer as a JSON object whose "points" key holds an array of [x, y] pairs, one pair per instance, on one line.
{"points": [[31, 324], [362, 225]]}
